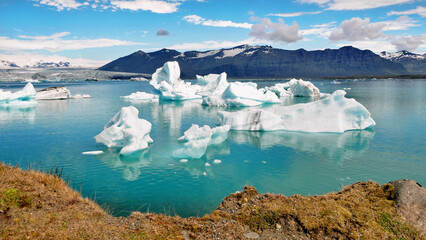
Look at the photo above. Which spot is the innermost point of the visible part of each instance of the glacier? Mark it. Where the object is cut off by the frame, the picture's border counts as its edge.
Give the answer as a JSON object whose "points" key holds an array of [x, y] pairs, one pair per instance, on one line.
{"points": [[22, 98], [126, 130], [335, 113], [197, 139]]}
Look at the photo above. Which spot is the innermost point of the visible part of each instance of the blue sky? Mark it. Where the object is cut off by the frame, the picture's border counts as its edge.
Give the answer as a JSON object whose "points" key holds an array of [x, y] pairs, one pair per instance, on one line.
{"points": [[93, 32]]}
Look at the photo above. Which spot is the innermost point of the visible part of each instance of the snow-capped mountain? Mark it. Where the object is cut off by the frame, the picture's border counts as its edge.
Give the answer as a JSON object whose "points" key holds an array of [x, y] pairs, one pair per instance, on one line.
{"points": [[43, 64], [414, 63], [247, 61], [7, 64], [397, 56]]}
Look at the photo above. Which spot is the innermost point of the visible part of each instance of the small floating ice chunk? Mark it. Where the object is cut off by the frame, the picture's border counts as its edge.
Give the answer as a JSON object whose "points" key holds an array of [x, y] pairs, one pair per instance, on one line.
{"points": [[207, 164], [198, 138], [141, 96], [347, 88], [335, 113], [53, 93], [183, 160], [217, 161], [80, 96], [92, 152], [126, 130], [296, 88], [204, 173]]}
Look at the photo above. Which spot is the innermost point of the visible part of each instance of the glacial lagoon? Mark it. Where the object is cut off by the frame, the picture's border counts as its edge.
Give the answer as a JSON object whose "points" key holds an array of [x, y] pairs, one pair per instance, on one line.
{"points": [[55, 133]]}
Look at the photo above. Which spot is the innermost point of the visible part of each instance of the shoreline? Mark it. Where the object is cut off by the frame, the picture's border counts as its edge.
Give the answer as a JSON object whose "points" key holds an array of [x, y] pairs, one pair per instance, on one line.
{"points": [[37, 205]]}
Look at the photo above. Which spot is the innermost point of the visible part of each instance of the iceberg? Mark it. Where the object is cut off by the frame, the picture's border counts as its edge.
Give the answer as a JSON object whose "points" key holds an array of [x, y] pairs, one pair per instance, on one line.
{"points": [[167, 80], [22, 98], [126, 130], [239, 94], [296, 88], [212, 84], [197, 139], [80, 96], [53, 93], [335, 113], [141, 96]]}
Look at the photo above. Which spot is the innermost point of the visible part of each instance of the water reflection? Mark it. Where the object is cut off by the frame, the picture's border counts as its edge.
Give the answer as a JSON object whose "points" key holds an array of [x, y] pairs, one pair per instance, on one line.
{"points": [[130, 165], [10, 114], [334, 146]]}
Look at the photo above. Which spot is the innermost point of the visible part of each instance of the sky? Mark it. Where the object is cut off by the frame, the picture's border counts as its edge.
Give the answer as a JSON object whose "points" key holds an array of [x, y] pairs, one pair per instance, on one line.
{"points": [[94, 32]]}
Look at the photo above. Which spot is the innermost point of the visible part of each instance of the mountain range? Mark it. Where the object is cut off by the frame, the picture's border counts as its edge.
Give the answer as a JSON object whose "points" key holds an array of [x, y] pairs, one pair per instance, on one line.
{"points": [[413, 63], [267, 62]]}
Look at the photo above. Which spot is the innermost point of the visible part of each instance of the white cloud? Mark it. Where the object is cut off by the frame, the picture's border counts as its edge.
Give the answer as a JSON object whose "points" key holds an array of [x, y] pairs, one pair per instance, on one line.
{"points": [[23, 59], [321, 30], [357, 29], [409, 43], [197, 20], [276, 32], [419, 10], [155, 6], [212, 44], [54, 43], [60, 4], [295, 14], [354, 5]]}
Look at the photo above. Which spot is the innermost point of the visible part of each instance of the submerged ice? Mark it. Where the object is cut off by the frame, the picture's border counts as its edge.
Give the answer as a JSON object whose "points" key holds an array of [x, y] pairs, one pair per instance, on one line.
{"points": [[335, 113], [197, 139], [126, 130]]}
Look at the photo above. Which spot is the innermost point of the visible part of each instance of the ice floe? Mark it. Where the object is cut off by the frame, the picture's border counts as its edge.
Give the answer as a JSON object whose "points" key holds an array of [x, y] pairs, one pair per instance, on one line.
{"points": [[80, 96], [296, 88], [141, 96], [197, 139], [92, 152], [335, 113], [126, 130], [22, 98], [239, 94]]}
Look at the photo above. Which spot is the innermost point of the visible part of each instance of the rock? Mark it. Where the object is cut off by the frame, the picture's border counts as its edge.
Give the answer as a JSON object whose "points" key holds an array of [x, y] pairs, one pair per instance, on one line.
{"points": [[251, 235], [410, 198]]}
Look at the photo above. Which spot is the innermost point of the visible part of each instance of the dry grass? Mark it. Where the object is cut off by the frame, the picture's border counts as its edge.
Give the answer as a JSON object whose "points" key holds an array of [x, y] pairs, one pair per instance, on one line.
{"points": [[35, 205]]}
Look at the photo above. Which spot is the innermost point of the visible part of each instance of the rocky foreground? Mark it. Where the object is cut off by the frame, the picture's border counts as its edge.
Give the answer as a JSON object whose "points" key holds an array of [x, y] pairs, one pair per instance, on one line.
{"points": [[35, 205]]}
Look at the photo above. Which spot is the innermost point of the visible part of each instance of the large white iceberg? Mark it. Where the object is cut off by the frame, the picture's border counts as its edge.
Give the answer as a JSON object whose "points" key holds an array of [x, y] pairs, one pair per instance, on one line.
{"points": [[239, 94], [53, 93], [331, 114], [166, 80], [126, 130], [296, 88], [197, 139], [22, 98]]}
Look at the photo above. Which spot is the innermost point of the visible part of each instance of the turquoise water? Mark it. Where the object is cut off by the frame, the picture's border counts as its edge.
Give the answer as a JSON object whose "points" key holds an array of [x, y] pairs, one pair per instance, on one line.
{"points": [[55, 133]]}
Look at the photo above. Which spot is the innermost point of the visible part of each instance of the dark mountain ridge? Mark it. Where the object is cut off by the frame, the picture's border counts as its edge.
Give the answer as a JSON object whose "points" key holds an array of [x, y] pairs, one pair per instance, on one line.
{"points": [[263, 62]]}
